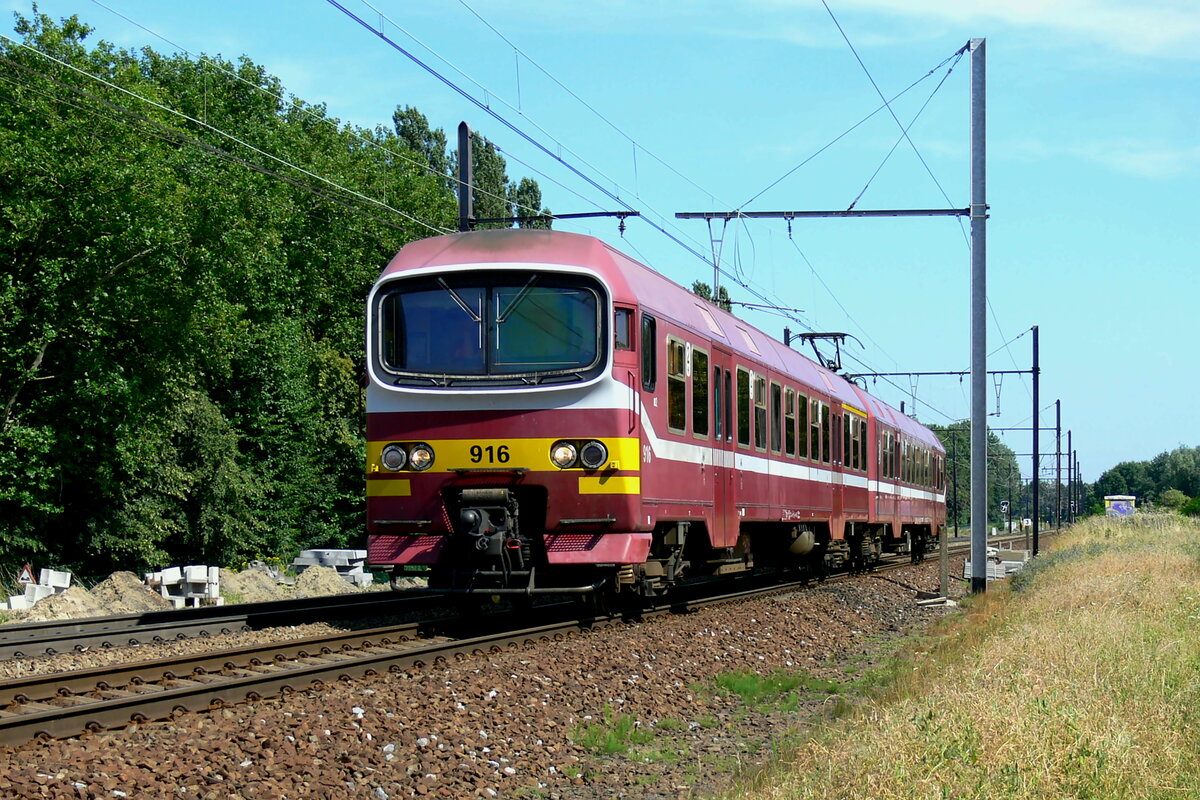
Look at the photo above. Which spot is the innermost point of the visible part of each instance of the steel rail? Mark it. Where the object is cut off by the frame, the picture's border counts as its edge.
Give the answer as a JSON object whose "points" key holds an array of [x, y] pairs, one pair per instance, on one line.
{"points": [[33, 639], [70, 703]]}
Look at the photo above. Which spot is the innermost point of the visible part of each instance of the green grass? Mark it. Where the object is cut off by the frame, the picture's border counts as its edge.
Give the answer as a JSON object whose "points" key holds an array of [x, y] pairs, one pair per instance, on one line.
{"points": [[612, 733], [1082, 680]]}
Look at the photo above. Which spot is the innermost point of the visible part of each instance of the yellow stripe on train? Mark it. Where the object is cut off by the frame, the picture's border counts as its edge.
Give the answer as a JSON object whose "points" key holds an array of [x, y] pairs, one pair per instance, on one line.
{"points": [[384, 487], [610, 484], [450, 455]]}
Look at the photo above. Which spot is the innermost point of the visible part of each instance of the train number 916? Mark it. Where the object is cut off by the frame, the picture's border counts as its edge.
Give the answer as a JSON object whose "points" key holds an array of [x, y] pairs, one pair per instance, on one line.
{"points": [[489, 454]]}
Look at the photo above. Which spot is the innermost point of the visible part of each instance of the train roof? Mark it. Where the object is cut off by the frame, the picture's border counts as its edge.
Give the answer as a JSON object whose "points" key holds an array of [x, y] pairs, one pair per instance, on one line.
{"points": [[634, 282]]}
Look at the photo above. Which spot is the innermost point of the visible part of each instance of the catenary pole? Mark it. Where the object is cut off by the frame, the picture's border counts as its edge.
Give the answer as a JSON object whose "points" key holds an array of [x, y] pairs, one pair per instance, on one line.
{"points": [[978, 317], [466, 202], [1070, 481], [1037, 430], [1058, 465]]}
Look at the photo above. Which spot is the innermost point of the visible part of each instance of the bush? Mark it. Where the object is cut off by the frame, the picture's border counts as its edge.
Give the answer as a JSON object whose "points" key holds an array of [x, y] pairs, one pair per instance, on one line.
{"points": [[1191, 508]]}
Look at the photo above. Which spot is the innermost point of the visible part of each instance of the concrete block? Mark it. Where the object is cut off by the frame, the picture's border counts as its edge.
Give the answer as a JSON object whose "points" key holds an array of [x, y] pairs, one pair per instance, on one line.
{"points": [[17, 602], [36, 591], [55, 579], [195, 573], [172, 575], [214, 574]]}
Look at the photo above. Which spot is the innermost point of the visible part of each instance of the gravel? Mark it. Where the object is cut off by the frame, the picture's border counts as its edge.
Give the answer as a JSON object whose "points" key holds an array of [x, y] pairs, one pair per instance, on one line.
{"points": [[525, 722]]}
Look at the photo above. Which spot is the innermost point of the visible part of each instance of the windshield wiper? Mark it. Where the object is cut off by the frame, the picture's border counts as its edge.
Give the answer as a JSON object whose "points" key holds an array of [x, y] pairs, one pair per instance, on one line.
{"points": [[502, 318], [461, 303]]}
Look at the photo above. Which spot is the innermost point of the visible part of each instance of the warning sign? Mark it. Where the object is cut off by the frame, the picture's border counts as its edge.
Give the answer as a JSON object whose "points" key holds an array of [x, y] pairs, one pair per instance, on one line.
{"points": [[26, 575]]}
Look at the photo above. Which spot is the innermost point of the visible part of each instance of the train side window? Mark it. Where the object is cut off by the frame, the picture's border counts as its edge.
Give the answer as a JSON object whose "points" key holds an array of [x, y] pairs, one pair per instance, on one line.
{"points": [[676, 386], [743, 407], [826, 434], [814, 428], [718, 432], [649, 353], [802, 428], [776, 417], [789, 422], [847, 440], [760, 412], [885, 446], [699, 392], [623, 329], [862, 445]]}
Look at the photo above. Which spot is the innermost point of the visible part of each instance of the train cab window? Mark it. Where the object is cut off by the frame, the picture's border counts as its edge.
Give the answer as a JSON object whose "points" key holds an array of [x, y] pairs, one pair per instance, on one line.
{"points": [[789, 422], [776, 417], [676, 386], [760, 412], [649, 353], [623, 329], [743, 407], [699, 392], [718, 430], [826, 434]]}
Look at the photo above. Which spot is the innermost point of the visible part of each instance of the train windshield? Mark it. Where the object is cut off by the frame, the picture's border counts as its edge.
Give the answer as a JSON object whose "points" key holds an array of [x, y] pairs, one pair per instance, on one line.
{"points": [[507, 328]]}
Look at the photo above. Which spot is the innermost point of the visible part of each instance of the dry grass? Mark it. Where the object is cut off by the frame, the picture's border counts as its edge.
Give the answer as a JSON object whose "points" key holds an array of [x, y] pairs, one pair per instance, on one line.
{"points": [[1080, 681]]}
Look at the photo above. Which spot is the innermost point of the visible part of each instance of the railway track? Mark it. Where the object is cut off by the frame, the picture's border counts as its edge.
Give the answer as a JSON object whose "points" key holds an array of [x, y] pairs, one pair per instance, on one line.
{"points": [[33, 639], [68, 704]]}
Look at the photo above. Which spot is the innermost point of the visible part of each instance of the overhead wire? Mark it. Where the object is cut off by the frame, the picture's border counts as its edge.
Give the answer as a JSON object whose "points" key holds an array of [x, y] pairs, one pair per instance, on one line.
{"points": [[586, 104], [350, 192], [201, 58]]}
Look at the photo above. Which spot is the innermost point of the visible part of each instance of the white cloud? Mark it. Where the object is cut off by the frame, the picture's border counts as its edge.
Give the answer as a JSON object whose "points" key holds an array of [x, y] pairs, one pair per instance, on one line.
{"points": [[1168, 28], [1140, 158]]}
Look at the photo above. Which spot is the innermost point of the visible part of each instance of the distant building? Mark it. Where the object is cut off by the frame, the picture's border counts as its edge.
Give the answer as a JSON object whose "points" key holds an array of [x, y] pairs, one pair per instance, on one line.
{"points": [[1120, 505]]}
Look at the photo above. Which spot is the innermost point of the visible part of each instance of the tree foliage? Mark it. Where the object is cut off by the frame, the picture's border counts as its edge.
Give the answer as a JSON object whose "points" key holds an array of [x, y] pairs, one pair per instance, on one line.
{"points": [[1003, 475], [1163, 479], [181, 302], [702, 289]]}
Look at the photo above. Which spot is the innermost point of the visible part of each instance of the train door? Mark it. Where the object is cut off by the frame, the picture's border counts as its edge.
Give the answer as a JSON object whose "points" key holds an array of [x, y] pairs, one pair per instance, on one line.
{"points": [[725, 516], [838, 460]]}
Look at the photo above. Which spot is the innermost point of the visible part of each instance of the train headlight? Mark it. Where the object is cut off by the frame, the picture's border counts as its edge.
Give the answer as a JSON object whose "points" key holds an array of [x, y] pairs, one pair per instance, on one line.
{"points": [[394, 457], [420, 457], [593, 455], [562, 454]]}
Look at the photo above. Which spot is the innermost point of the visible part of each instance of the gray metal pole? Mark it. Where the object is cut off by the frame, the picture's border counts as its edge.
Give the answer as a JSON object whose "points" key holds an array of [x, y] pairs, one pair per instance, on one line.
{"points": [[1058, 467], [466, 202], [978, 317], [1070, 481], [1037, 432]]}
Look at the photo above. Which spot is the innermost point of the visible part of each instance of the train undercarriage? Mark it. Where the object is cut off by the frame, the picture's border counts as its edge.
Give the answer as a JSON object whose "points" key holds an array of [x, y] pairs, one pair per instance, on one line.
{"points": [[494, 552]]}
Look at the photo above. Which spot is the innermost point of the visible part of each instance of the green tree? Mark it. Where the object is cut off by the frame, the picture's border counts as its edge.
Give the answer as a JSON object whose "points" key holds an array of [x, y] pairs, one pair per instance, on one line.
{"points": [[180, 336], [702, 289], [1172, 498]]}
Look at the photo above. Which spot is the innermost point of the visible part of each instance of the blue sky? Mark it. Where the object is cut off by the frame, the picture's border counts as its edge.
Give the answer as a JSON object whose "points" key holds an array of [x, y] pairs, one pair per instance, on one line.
{"points": [[1093, 160]]}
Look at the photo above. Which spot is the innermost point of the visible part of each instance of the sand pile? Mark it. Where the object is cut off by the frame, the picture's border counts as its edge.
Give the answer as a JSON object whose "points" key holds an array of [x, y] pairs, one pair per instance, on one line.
{"points": [[124, 593], [74, 603], [319, 581], [251, 586]]}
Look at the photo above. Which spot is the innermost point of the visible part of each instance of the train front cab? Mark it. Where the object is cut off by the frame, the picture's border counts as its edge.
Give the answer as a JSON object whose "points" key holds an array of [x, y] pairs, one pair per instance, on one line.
{"points": [[503, 445]]}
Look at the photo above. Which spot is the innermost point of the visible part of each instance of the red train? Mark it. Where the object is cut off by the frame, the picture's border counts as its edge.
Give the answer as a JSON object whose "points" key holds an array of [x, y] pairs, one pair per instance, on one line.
{"points": [[545, 414]]}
